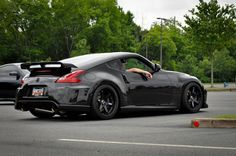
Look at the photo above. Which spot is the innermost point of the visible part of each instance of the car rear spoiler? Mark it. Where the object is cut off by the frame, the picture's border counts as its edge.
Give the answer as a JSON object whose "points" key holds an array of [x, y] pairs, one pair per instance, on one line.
{"points": [[44, 65]]}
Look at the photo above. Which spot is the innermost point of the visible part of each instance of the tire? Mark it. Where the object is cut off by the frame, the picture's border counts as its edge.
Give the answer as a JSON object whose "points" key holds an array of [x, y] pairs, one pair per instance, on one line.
{"points": [[105, 102], [192, 98], [41, 114]]}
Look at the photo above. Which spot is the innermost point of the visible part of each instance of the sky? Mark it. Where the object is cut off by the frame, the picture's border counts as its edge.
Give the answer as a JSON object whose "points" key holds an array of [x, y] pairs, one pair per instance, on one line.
{"points": [[146, 11]]}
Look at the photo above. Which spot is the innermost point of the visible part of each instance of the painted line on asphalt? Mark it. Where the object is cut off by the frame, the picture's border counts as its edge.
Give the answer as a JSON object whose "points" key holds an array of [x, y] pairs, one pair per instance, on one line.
{"points": [[146, 144]]}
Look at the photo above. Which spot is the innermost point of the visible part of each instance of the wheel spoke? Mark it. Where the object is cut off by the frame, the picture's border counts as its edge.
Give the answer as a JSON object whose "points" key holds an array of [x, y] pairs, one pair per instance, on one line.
{"points": [[100, 105], [109, 103], [193, 104], [106, 109], [196, 101], [193, 91], [101, 108]]}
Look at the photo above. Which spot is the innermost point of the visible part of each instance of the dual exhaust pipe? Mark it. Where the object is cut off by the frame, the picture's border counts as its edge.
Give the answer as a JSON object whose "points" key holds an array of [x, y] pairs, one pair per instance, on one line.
{"points": [[52, 110]]}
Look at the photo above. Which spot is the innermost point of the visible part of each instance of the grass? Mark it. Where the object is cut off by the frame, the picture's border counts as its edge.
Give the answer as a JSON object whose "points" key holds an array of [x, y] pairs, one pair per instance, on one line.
{"points": [[227, 116], [220, 89]]}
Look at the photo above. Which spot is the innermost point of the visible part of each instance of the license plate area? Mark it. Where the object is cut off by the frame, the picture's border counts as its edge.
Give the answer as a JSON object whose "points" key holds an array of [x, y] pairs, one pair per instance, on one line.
{"points": [[38, 91]]}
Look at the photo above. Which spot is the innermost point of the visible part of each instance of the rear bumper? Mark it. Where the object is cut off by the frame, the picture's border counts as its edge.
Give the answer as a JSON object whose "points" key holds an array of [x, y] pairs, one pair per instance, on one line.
{"points": [[73, 99], [46, 104]]}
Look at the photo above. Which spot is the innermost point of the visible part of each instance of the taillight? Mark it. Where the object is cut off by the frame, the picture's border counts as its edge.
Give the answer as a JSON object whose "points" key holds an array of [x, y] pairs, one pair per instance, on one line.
{"points": [[21, 82], [43, 71], [71, 77]]}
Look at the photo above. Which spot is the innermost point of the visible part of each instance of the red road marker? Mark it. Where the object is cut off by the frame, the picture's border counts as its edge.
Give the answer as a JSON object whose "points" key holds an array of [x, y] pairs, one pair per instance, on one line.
{"points": [[196, 123]]}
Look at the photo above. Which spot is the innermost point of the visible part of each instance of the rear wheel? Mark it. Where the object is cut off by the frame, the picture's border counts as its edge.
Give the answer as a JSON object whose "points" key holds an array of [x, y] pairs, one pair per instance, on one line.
{"points": [[105, 102], [192, 98], [42, 113]]}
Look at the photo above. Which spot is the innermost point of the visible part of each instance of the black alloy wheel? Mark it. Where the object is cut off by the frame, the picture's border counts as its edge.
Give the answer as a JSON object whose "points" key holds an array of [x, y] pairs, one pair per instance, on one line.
{"points": [[105, 102], [192, 98]]}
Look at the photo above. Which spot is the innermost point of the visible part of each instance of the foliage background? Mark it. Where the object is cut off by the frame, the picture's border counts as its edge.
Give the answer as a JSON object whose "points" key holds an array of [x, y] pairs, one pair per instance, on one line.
{"points": [[44, 30]]}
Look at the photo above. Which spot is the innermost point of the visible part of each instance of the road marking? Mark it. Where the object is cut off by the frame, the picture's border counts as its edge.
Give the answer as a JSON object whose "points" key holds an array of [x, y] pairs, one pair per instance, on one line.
{"points": [[147, 144]]}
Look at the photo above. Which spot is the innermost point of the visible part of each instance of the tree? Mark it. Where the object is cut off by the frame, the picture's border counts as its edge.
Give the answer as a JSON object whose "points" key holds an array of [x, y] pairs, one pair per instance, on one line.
{"points": [[33, 30], [224, 66], [212, 27], [152, 40], [25, 27], [111, 29]]}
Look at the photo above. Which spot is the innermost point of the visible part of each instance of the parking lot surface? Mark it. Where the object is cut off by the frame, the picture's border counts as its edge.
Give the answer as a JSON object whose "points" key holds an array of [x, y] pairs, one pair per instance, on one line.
{"points": [[130, 133]]}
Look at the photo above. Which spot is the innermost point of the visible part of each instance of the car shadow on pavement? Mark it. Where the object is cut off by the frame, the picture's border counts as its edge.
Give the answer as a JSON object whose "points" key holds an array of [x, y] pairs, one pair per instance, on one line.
{"points": [[144, 113], [58, 118], [150, 113], [121, 115]]}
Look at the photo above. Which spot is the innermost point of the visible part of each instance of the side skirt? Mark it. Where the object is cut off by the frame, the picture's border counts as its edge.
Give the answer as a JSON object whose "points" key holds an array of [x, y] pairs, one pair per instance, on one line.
{"points": [[149, 107]]}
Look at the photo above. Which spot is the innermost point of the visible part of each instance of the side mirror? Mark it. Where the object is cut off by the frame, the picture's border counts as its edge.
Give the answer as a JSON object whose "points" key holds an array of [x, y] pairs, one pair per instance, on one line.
{"points": [[157, 67], [14, 73]]}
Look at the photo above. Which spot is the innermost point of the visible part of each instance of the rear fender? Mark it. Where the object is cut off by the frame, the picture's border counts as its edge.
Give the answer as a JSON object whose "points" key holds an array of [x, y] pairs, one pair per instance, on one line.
{"points": [[116, 82]]}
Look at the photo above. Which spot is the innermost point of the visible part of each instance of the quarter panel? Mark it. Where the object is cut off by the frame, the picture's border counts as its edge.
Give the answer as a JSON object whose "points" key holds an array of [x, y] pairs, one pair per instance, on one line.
{"points": [[103, 74]]}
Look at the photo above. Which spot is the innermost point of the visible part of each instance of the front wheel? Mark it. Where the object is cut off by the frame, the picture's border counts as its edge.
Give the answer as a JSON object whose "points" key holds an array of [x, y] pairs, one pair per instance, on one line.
{"points": [[105, 102], [192, 99]]}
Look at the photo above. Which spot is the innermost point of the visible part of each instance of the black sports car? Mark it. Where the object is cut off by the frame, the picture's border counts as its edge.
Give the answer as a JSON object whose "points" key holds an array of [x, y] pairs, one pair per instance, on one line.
{"points": [[11, 76], [101, 85]]}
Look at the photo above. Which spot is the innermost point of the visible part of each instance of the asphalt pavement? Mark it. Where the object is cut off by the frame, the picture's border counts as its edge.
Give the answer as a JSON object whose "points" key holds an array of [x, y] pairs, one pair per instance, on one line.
{"points": [[134, 133]]}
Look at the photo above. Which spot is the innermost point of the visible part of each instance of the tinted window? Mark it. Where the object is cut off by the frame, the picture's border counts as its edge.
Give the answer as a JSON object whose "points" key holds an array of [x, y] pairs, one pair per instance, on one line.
{"points": [[135, 63], [115, 64], [24, 71]]}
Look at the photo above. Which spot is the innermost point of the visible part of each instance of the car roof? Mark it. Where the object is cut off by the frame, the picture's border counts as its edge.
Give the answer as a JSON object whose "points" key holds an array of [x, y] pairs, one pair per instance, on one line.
{"points": [[23, 71], [16, 64], [91, 60]]}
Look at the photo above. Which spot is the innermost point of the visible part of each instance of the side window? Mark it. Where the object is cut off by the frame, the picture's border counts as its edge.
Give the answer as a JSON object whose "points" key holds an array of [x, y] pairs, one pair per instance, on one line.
{"points": [[135, 63], [5, 71], [115, 64]]}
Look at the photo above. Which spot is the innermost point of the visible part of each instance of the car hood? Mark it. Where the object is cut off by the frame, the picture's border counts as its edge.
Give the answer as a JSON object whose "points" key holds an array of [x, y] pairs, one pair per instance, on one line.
{"points": [[181, 77]]}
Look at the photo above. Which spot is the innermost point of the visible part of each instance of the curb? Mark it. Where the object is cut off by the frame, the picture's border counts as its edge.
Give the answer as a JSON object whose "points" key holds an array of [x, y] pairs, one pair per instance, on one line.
{"points": [[213, 123], [220, 89]]}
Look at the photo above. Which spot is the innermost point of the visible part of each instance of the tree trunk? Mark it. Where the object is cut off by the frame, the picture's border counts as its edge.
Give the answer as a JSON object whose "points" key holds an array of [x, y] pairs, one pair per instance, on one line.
{"points": [[212, 72]]}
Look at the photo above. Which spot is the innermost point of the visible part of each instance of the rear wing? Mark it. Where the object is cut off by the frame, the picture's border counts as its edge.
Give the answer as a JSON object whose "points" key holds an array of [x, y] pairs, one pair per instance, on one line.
{"points": [[48, 68], [34, 65]]}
